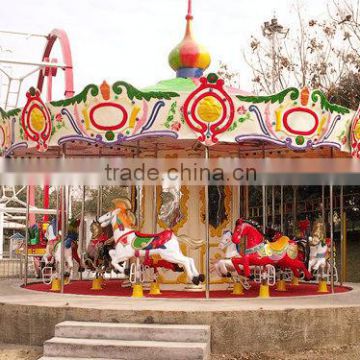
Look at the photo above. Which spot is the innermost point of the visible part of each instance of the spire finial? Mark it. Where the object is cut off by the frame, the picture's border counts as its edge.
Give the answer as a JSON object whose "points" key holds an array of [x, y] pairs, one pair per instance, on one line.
{"points": [[189, 59], [189, 15]]}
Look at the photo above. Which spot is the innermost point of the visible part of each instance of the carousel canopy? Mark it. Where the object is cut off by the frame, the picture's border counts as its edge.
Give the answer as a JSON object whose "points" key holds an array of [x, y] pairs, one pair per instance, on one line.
{"points": [[191, 107]]}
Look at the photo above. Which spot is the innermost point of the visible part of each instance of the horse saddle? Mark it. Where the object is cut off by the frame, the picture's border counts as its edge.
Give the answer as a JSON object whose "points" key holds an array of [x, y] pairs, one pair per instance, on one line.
{"points": [[279, 245], [151, 241], [70, 238]]}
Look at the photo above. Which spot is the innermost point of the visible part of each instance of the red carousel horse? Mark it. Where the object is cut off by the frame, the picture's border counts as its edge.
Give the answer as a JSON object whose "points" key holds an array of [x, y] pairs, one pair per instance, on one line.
{"points": [[256, 251]]}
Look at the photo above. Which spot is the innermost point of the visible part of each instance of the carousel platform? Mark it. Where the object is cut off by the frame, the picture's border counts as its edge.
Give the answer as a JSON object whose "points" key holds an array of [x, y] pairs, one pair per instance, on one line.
{"points": [[238, 324], [114, 288]]}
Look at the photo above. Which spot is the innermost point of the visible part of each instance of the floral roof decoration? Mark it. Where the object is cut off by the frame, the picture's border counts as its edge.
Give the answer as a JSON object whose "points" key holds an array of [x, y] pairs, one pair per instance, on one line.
{"points": [[179, 109]]}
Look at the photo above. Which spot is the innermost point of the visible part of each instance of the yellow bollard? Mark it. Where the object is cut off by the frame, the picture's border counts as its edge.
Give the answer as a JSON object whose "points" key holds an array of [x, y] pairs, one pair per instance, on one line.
{"points": [[281, 285], [137, 291], [55, 284], [238, 289], [154, 288], [295, 281], [67, 280], [322, 287], [264, 291], [96, 284]]}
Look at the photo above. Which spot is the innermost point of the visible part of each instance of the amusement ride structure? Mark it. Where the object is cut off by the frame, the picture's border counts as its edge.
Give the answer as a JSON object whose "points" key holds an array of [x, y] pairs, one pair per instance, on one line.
{"points": [[193, 115]]}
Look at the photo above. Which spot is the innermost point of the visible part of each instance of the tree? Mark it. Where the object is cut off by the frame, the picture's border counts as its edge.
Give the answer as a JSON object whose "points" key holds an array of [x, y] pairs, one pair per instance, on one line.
{"points": [[347, 91], [345, 16], [230, 77], [310, 53]]}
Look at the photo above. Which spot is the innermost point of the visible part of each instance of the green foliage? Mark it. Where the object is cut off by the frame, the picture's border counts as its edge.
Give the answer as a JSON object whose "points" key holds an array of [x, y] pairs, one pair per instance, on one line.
{"points": [[279, 97], [326, 105], [240, 120], [171, 115], [132, 92], [10, 113], [77, 99]]}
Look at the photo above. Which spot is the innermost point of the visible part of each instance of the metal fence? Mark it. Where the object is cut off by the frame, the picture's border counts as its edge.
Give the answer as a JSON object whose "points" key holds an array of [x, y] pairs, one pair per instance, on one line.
{"points": [[11, 268]]}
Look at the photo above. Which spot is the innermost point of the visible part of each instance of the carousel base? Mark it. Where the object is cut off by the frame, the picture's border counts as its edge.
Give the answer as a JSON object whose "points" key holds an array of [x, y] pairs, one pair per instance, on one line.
{"points": [[239, 323], [114, 288]]}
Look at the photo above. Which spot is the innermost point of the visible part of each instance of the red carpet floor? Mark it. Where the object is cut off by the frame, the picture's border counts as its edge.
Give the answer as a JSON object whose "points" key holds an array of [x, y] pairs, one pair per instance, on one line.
{"points": [[113, 288]]}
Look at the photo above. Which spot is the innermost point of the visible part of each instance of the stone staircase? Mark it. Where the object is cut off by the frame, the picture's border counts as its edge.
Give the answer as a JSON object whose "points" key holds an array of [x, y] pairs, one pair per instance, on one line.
{"points": [[97, 340]]}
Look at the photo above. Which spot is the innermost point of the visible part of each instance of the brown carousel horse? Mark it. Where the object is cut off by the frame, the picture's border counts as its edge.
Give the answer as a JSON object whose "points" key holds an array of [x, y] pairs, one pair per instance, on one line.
{"points": [[97, 253]]}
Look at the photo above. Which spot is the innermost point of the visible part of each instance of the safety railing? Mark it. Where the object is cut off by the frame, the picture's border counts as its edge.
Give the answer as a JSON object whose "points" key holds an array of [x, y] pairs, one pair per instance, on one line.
{"points": [[11, 268]]}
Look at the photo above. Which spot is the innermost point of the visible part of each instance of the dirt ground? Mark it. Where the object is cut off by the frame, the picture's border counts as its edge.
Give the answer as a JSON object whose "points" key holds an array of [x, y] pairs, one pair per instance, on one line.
{"points": [[18, 352], [338, 353]]}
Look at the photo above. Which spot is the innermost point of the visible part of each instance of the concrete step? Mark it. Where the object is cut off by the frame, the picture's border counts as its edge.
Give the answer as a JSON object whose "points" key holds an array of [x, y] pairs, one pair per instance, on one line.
{"points": [[146, 332], [124, 349]]}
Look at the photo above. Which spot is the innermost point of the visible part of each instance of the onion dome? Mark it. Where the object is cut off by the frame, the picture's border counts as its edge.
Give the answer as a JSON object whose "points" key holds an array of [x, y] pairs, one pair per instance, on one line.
{"points": [[189, 59]]}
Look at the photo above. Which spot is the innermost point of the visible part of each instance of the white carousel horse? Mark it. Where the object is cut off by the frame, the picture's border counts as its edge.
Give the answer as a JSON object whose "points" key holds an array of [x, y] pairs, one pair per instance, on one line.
{"points": [[52, 256], [318, 258], [130, 243], [318, 254], [319, 263], [225, 266]]}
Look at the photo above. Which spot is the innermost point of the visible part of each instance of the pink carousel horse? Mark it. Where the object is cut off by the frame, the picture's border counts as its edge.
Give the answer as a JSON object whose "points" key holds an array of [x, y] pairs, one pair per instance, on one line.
{"points": [[256, 251]]}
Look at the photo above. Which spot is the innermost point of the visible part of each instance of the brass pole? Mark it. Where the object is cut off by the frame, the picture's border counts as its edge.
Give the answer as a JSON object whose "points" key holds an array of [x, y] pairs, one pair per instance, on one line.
{"points": [[83, 232], [207, 234], [240, 199], [294, 208], [331, 239], [246, 200], [282, 209], [234, 205], [155, 214], [27, 234], [138, 190], [273, 206], [63, 221], [344, 259], [99, 201], [323, 203], [264, 201], [57, 210], [341, 234]]}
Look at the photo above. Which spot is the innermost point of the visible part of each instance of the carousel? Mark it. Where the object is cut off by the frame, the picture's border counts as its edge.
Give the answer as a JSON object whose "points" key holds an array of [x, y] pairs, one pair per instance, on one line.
{"points": [[174, 240]]}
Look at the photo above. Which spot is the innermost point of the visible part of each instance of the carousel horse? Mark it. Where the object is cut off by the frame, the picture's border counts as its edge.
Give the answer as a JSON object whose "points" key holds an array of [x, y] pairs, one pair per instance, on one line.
{"points": [[319, 249], [52, 254], [97, 253], [130, 243], [318, 255], [102, 241], [283, 252], [224, 267], [36, 239]]}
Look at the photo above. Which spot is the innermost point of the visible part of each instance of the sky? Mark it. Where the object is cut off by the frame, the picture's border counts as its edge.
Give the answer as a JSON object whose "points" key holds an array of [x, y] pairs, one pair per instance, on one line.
{"points": [[130, 39]]}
